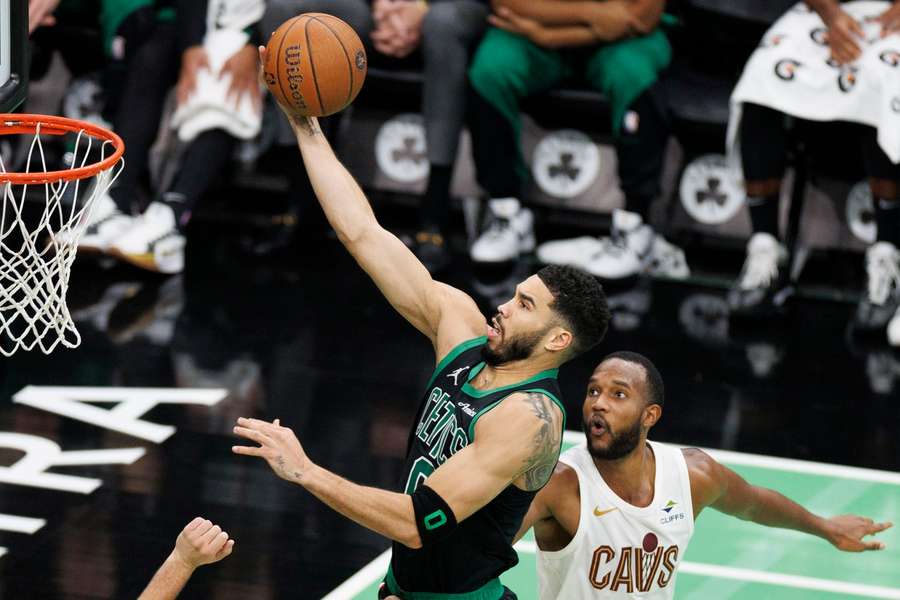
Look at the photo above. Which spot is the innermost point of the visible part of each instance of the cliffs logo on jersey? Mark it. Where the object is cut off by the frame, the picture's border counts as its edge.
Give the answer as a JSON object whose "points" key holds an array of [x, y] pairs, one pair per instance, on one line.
{"points": [[787, 69], [438, 428], [672, 513], [634, 569]]}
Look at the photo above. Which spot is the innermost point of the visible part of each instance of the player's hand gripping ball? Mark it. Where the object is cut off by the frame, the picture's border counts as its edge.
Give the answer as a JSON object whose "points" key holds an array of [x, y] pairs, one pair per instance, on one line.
{"points": [[315, 65]]}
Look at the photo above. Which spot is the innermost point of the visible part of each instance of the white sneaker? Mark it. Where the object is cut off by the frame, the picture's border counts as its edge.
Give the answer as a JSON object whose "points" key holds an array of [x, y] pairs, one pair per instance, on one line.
{"points": [[154, 242], [575, 252], [508, 232], [106, 224], [623, 254], [667, 260], [893, 330], [765, 256]]}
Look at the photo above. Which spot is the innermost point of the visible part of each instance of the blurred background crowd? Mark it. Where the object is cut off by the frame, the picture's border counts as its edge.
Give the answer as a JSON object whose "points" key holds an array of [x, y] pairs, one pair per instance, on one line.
{"points": [[632, 138]]}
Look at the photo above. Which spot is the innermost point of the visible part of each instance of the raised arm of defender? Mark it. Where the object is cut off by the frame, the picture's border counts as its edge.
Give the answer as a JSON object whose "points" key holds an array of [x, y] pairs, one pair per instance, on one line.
{"points": [[717, 486], [446, 315]]}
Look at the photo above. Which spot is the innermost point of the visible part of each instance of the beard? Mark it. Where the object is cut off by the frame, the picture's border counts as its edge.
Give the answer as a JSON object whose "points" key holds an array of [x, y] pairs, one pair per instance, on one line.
{"points": [[622, 444], [512, 349]]}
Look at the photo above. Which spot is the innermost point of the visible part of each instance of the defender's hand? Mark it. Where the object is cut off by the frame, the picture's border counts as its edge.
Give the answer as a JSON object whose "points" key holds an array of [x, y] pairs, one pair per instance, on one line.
{"points": [[844, 34], [846, 533], [277, 444], [201, 543]]}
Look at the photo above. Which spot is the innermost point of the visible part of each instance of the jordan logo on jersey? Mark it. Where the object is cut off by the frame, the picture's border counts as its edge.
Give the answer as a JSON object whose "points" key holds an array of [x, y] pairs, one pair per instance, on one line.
{"points": [[455, 375], [633, 569]]}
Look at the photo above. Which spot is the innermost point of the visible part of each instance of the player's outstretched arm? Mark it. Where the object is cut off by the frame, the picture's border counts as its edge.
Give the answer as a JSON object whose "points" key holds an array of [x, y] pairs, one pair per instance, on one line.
{"points": [[517, 442], [717, 486], [199, 543], [446, 315]]}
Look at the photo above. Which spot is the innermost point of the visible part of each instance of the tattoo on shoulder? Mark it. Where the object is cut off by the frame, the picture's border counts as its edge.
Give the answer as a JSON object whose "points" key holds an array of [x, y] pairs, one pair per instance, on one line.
{"points": [[545, 444]]}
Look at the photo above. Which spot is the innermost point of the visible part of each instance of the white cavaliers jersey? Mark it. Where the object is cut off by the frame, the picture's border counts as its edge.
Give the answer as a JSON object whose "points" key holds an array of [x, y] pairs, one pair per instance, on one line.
{"points": [[620, 550]]}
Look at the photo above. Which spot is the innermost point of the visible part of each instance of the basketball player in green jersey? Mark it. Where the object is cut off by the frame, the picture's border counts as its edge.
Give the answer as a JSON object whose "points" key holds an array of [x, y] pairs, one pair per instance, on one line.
{"points": [[489, 429]]}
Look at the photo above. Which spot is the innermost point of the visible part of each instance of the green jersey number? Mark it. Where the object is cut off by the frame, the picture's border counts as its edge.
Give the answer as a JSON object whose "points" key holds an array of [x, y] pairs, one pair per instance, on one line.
{"points": [[421, 469]]}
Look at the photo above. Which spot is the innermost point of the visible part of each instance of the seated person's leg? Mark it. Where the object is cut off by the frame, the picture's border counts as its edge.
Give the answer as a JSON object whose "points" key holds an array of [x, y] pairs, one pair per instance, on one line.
{"points": [[626, 72], [450, 31], [880, 300], [505, 69], [157, 240], [763, 139], [153, 71]]}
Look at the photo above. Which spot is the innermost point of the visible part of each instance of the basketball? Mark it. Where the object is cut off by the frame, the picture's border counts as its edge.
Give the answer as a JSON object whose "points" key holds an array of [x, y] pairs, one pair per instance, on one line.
{"points": [[315, 65]]}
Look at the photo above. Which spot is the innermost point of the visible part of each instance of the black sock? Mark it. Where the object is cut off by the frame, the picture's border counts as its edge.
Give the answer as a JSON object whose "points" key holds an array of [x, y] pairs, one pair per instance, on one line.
{"points": [[764, 214], [887, 216], [180, 206], [435, 207]]}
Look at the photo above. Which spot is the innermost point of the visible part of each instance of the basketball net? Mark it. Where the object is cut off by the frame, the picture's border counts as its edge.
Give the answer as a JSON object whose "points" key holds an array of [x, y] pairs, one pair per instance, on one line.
{"points": [[42, 218]]}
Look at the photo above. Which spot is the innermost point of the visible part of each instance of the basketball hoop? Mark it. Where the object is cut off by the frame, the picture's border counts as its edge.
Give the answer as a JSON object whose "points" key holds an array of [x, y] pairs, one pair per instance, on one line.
{"points": [[40, 228]]}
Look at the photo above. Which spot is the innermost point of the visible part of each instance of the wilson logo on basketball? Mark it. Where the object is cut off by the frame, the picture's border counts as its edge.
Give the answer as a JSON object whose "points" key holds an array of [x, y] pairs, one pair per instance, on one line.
{"points": [[787, 68], [361, 60], [633, 569], [890, 57], [294, 75]]}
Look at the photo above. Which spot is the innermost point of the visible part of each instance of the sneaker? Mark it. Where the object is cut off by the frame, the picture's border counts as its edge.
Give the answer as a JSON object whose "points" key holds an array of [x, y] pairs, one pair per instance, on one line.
{"points": [[761, 276], [154, 242], [106, 224], [508, 232], [576, 252], [893, 330], [667, 260], [882, 296], [431, 250], [624, 253]]}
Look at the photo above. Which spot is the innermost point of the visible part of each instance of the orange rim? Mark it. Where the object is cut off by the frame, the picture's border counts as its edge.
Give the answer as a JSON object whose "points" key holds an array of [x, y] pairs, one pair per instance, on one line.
{"points": [[16, 124]]}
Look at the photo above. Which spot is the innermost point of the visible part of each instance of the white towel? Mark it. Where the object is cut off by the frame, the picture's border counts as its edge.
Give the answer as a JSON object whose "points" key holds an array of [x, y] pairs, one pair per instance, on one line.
{"points": [[207, 107], [791, 72]]}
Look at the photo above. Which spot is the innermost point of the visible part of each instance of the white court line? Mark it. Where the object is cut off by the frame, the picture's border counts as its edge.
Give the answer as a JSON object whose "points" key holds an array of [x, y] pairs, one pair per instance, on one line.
{"points": [[376, 569], [789, 465], [362, 579]]}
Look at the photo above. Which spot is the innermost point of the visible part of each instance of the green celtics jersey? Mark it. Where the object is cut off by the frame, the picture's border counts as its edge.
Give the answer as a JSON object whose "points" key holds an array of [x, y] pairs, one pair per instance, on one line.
{"points": [[469, 561]]}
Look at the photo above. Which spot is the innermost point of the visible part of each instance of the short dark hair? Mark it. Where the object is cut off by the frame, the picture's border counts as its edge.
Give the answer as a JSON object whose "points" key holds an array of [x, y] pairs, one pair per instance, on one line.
{"points": [[656, 392], [579, 299]]}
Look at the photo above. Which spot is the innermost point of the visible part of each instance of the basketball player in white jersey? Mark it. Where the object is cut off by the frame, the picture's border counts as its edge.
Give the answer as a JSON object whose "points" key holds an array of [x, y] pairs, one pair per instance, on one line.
{"points": [[617, 515]]}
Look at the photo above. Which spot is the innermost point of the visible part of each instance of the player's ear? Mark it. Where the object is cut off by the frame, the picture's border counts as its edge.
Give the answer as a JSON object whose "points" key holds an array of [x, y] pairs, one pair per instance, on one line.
{"points": [[652, 413], [560, 340]]}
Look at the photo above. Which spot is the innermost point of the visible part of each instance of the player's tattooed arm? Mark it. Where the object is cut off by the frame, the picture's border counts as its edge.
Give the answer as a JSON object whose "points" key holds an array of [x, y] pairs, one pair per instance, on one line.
{"points": [[545, 443]]}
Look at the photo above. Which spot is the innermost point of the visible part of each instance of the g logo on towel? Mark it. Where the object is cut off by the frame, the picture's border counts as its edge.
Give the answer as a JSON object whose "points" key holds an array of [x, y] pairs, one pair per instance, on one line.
{"points": [[890, 57], [819, 35], [847, 79], [787, 68]]}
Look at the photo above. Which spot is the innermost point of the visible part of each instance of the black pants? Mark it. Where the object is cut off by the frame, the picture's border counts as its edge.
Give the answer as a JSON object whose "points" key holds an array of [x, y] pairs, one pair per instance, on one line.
{"points": [[640, 149], [765, 141], [153, 71]]}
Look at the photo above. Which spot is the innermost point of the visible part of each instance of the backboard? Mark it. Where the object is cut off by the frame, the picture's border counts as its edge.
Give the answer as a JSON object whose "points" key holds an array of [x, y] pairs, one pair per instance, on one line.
{"points": [[13, 53]]}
